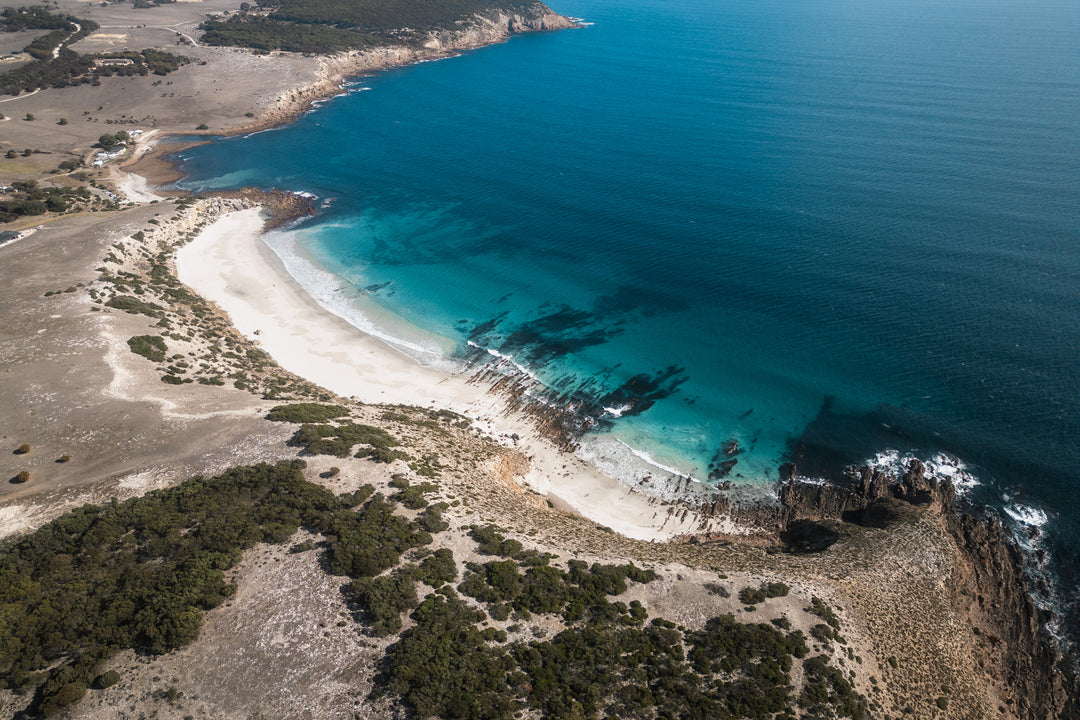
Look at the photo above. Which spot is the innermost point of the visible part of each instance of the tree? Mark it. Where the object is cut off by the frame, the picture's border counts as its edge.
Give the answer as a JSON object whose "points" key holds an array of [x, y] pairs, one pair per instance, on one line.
{"points": [[29, 116], [107, 141]]}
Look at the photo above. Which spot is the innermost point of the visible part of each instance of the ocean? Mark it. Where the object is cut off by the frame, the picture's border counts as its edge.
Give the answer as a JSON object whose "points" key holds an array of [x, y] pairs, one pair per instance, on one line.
{"points": [[733, 230]]}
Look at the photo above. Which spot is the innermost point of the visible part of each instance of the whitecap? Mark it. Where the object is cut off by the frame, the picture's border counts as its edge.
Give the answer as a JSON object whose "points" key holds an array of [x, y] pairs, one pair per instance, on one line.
{"points": [[1026, 515], [617, 412], [508, 358], [941, 466]]}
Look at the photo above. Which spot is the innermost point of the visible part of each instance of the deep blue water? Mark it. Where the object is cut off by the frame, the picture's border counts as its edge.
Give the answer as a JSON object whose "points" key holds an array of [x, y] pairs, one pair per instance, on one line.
{"points": [[854, 224]]}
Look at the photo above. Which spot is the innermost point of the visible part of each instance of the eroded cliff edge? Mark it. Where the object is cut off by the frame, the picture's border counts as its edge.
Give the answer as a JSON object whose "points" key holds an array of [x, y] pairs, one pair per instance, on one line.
{"points": [[1034, 678]]}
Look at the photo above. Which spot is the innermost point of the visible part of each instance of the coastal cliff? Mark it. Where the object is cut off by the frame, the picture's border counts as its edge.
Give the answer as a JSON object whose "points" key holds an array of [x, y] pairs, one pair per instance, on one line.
{"points": [[489, 27], [1035, 680], [496, 26]]}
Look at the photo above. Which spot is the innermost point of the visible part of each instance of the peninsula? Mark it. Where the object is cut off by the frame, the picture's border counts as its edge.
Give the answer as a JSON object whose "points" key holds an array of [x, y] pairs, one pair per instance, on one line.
{"points": [[221, 500]]}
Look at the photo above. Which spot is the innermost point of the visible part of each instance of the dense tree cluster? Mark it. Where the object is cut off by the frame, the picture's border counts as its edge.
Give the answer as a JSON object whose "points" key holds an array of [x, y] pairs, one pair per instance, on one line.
{"points": [[139, 574], [318, 437], [306, 413], [32, 18], [753, 596], [265, 34], [151, 347], [134, 306], [365, 543], [68, 67], [324, 26], [383, 15], [610, 665], [28, 198], [340, 440], [409, 495], [447, 667], [547, 589], [136, 574]]}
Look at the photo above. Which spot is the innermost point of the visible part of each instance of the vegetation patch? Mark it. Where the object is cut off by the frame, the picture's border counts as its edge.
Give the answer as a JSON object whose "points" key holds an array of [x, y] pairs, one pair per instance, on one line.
{"points": [[134, 306], [758, 595], [306, 413], [56, 65], [151, 347], [136, 574], [617, 666], [327, 26], [823, 611], [409, 495], [140, 574], [26, 197], [366, 543], [339, 441]]}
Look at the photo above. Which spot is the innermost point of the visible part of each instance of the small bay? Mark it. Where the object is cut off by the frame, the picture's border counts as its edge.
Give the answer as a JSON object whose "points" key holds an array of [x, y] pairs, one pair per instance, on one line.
{"points": [[848, 225]]}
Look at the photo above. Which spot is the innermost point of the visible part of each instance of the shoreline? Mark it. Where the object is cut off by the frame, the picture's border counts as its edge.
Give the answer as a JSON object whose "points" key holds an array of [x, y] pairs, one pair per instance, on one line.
{"points": [[268, 298], [333, 72], [229, 264]]}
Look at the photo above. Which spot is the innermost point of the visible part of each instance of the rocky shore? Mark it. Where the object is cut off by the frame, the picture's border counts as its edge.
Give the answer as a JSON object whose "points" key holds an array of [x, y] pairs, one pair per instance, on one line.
{"points": [[484, 29], [1036, 680]]}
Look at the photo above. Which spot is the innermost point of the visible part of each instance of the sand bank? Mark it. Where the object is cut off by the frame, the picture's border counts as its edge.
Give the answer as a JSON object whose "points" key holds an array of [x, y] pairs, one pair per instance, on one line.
{"points": [[230, 265]]}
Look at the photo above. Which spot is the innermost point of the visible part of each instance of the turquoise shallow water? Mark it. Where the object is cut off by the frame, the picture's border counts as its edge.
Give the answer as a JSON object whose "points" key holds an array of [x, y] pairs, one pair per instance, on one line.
{"points": [[849, 224]]}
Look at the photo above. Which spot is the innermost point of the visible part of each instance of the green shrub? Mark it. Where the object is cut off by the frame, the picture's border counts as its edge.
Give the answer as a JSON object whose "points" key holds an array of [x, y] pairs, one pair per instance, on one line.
{"points": [[751, 596], [134, 306], [412, 496], [306, 413], [106, 679], [438, 568], [140, 572], [151, 347], [65, 695], [384, 598], [308, 544], [367, 542], [776, 589], [489, 541], [431, 520], [445, 667], [823, 611]]}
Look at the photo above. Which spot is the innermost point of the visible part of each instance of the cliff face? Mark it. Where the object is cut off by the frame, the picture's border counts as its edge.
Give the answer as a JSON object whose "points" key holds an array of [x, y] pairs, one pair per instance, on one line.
{"points": [[496, 26], [1036, 682]]}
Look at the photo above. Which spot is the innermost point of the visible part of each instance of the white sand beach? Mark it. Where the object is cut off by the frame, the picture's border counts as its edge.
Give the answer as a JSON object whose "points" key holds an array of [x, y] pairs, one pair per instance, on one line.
{"points": [[230, 265]]}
